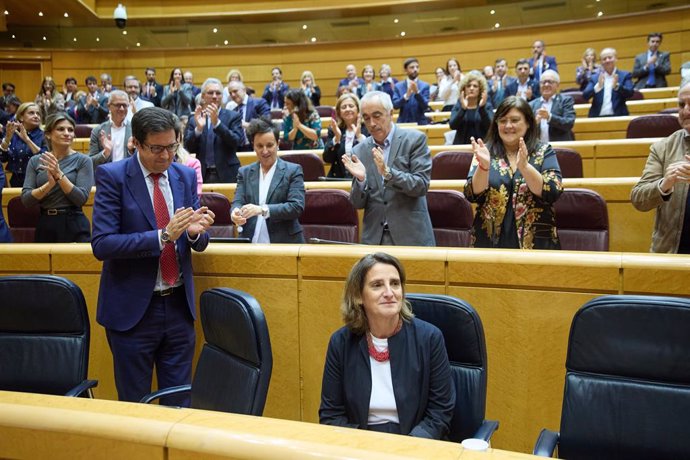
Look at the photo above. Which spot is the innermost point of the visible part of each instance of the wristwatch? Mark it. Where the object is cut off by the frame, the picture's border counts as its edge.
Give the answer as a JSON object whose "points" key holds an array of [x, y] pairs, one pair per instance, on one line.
{"points": [[165, 237], [387, 175], [264, 210]]}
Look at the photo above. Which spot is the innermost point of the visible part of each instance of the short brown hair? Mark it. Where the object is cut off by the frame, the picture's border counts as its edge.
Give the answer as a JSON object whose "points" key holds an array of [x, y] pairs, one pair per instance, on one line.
{"points": [[352, 307]]}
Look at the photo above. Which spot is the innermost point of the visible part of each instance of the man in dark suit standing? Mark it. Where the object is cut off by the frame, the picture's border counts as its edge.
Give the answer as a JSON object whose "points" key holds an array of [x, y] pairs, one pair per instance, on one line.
{"points": [[152, 90], [249, 108], [522, 86], [391, 172], [411, 95], [652, 66], [540, 62], [146, 220], [270, 192], [214, 134], [499, 82], [555, 112], [610, 87]]}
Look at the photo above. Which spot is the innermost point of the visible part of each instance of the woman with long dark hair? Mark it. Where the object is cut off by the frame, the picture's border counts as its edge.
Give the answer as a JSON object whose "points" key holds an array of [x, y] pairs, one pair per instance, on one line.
{"points": [[301, 122], [515, 180]]}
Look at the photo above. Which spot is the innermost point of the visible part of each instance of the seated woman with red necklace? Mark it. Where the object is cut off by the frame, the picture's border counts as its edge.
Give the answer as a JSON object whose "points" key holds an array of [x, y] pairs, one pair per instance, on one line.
{"points": [[385, 370]]}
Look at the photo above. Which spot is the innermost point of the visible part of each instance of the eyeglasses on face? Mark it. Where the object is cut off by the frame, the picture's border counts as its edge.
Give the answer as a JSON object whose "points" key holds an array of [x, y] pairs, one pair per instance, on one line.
{"points": [[119, 106], [158, 149]]}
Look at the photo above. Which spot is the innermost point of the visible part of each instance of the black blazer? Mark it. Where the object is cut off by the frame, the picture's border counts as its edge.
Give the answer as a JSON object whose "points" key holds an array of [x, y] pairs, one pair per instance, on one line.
{"points": [[422, 383], [332, 153], [562, 117], [228, 137]]}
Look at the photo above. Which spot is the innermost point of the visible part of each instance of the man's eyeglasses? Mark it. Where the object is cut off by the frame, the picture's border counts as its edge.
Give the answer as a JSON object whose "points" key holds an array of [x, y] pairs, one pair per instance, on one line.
{"points": [[119, 106], [158, 149], [548, 82]]}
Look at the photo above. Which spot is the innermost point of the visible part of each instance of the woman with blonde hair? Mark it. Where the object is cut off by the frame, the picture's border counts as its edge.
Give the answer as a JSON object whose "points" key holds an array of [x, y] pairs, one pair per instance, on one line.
{"points": [[23, 139], [589, 67], [471, 115], [370, 84], [346, 131], [310, 88]]}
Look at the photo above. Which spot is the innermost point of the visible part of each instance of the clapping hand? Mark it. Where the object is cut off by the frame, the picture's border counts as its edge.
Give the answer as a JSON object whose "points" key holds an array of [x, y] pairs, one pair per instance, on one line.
{"points": [[482, 100], [50, 164], [199, 118], [542, 114], [481, 153], [464, 101], [379, 160], [354, 166], [212, 111], [601, 78], [615, 80], [522, 155], [337, 134], [107, 143], [676, 172], [201, 220]]}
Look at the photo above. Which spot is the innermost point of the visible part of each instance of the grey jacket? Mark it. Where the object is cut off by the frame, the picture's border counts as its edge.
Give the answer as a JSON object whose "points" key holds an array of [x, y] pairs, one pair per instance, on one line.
{"points": [[670, 209], [96, 147], [285, 200], [401, 201]]}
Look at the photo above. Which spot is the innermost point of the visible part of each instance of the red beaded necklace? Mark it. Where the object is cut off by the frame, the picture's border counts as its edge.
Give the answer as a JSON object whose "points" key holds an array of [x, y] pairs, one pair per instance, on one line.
{"points": [[381, 356]]}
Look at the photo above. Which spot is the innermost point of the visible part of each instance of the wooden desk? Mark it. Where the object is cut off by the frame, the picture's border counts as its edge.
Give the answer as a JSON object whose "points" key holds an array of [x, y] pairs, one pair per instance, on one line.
{"points": [[526, 300]]}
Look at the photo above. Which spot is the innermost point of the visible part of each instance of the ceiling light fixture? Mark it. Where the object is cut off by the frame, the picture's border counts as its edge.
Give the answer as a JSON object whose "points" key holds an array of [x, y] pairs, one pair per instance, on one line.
{"points": [[226, 42], [402, 34], [600, 14], [124, 32], [396, 20], [304, 27], [492, 12], [497, 25], [215, 30], [313, 39], [40, 13], [66, 14]]}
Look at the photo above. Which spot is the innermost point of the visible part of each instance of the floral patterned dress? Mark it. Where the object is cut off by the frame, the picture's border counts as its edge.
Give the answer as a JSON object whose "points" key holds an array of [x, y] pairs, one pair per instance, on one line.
{"points": [[508, 214]]}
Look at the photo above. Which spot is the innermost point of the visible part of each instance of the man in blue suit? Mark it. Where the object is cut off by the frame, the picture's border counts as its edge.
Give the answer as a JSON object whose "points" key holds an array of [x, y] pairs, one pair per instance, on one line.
{"points": [[249, 108], [146, 218], [540, 62], [523, 85], [214, 134], [610, 87], [411, 95]]}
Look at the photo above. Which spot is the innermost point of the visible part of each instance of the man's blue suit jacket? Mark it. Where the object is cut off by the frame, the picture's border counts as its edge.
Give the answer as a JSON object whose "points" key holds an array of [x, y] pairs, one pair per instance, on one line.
{"points": [[125, 238], [548, 64], [512, 88], [256, 108], [228, 137], [618, 97], [412, 110]]}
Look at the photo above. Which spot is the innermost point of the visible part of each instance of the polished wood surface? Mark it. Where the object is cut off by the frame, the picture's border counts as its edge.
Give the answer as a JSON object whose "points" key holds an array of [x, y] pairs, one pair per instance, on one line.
{"points": [[40, 426], [526, 300]]}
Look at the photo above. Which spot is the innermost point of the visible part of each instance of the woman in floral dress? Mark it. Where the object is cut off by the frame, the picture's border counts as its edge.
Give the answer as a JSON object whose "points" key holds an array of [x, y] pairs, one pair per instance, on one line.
{"points": [[515, 180]]}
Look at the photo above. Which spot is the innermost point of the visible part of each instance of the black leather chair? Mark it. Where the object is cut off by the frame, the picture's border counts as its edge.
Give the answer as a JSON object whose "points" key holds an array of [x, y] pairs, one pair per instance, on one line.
{"points": [[464, 337], [329, 217], [44, 336], [234, 368], [451, 218], [582, 220], [627, 383]]}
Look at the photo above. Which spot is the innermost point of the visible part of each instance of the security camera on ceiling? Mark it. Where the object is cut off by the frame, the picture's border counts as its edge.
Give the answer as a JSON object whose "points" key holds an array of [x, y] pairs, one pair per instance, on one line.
{"points": [[120, 16]]}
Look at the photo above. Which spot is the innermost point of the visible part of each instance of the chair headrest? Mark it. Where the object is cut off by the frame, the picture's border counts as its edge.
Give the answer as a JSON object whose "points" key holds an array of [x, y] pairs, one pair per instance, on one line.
{"points": [[41, 303], [643, 337]]}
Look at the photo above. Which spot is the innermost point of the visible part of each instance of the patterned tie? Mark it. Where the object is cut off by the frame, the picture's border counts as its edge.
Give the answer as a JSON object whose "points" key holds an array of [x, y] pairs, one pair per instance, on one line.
{"points": [[168, 262]]}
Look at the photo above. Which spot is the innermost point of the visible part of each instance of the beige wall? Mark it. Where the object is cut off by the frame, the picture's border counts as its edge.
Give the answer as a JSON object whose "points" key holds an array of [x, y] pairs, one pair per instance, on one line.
{"points": [[328, 60]]}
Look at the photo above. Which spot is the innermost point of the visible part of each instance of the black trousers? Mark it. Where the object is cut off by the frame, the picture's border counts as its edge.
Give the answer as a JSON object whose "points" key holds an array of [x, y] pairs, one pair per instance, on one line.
{"points": [[67, 227]]}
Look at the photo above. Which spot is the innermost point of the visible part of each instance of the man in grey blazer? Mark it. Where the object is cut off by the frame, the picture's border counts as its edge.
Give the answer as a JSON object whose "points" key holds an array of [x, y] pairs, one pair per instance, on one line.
{"points": [[555, 112], [652, 66], [112, 140], [391, 171], [269, 197]]}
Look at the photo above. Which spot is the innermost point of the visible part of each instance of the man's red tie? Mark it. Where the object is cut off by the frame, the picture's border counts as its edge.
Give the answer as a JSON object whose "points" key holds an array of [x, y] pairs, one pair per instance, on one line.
{"points": [[169, 268]]}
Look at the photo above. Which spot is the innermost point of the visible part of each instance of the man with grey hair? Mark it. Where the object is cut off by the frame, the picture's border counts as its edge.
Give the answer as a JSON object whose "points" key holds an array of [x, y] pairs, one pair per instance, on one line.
{"points": [[555, 112], [248, 107], [112, 140], [391, 171], [136, 103], [609, 88], [214, 134], [664, 185]]}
